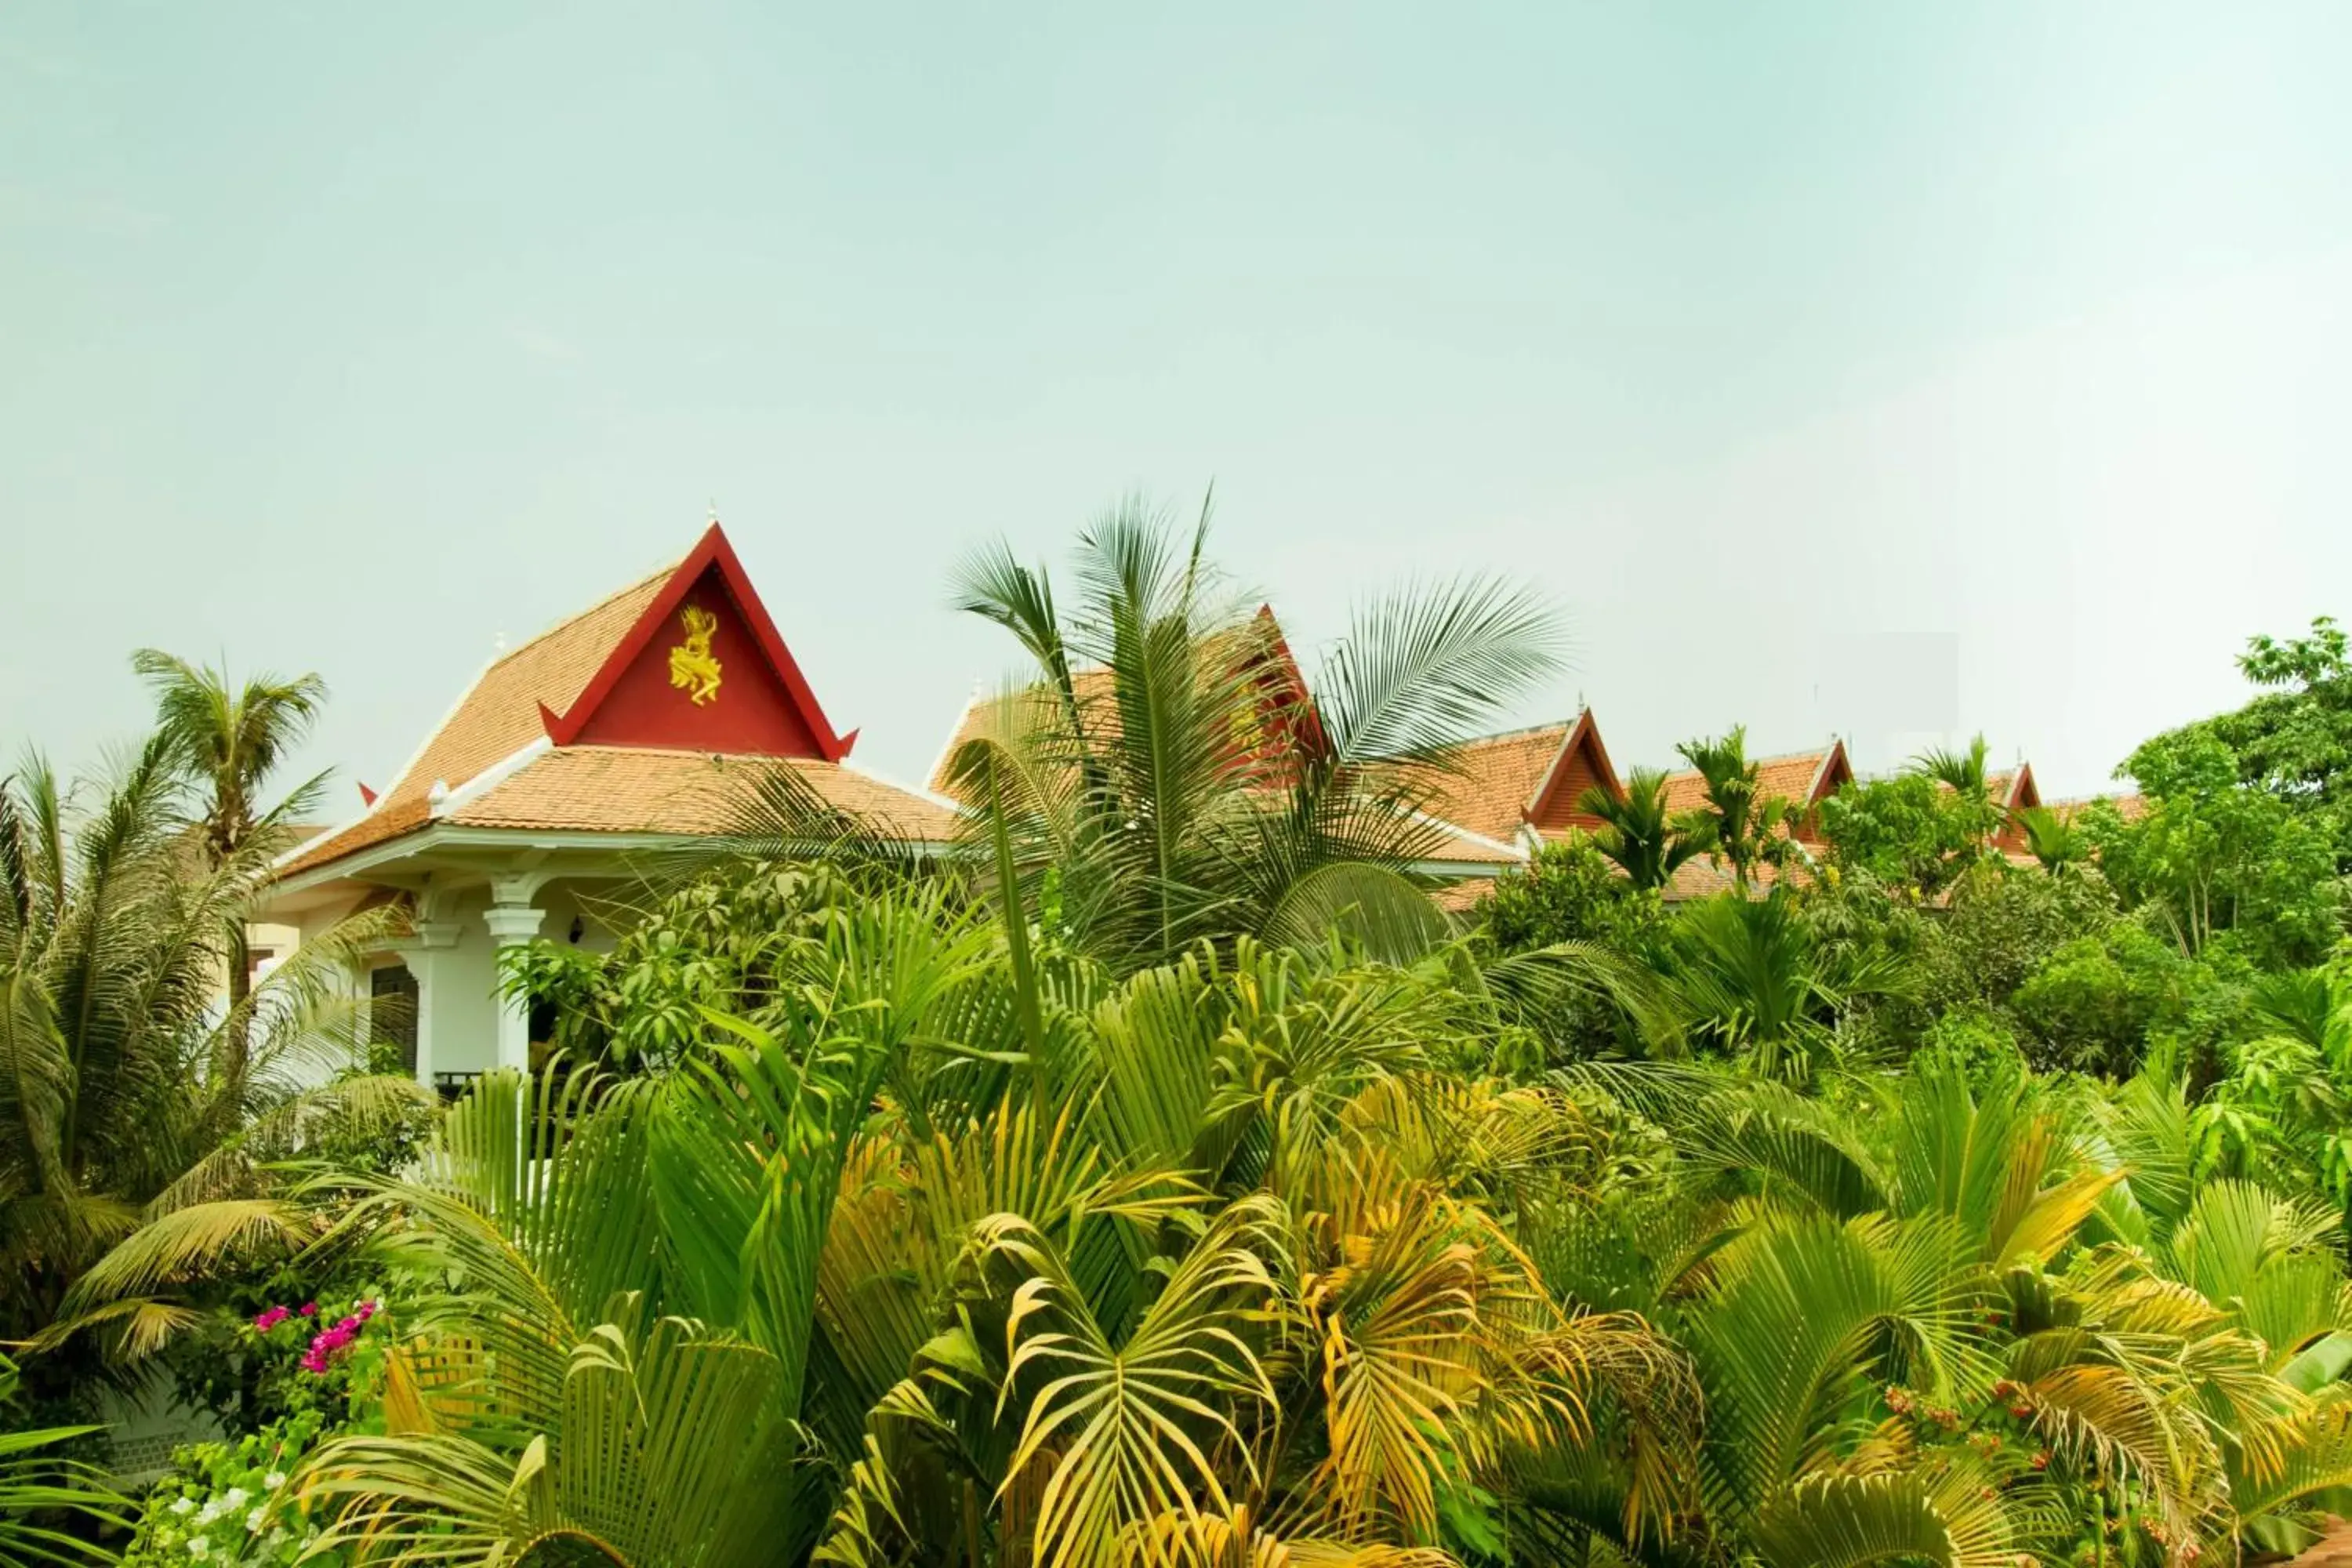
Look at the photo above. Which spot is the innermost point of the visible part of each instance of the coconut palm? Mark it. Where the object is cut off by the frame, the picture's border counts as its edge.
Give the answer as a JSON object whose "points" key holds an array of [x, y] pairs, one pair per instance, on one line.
{"points": [[1637, 831], [1166, 771], [231, 739], [132, 1093]]}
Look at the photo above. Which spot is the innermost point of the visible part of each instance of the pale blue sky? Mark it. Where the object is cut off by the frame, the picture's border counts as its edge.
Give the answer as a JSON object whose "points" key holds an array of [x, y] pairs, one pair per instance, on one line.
{"points": [[1900, 370]]}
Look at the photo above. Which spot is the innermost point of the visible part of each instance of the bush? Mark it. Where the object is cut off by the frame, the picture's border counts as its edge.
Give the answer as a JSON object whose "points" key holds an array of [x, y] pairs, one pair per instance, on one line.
{"points": [[1572, 892], [230, 1502]]}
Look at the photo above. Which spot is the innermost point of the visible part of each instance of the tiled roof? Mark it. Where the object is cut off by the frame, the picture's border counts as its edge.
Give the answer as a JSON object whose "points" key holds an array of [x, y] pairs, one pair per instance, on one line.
{"points": [[632, 789], [497, 717], [1792, 775], [1494, 778], [2130, 807]]}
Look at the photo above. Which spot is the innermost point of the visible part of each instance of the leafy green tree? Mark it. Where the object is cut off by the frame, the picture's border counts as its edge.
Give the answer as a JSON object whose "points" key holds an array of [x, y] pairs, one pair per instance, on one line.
{"points": [[1636, 832], [2294, 742], [1905, 832], [2105, 1003], [1966, 775], [1570, 893], [2212, 856], [1740, 824]]}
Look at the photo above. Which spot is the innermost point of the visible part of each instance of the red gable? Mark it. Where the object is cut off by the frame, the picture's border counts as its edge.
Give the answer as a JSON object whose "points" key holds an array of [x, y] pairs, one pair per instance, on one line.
{"points": [[703, 669]]}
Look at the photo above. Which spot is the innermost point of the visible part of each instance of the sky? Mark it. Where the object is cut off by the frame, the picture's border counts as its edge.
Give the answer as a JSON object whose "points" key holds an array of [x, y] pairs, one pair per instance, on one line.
{"points": [[1900, 372]]}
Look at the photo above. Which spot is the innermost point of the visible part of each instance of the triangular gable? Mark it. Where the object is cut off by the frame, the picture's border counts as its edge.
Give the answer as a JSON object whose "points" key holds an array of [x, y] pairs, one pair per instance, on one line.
{"points": [[1581, 762], [1834, 773], [1286, 720], [701, 668], [2024, 795]]}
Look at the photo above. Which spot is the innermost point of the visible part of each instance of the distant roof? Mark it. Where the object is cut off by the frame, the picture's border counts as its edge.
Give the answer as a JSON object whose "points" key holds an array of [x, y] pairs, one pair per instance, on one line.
{"points": [[1497, 775]]}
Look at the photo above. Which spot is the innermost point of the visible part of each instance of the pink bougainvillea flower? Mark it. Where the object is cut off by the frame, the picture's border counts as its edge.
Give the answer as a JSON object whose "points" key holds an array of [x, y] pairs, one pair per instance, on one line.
{"points": [[309, 1309]]}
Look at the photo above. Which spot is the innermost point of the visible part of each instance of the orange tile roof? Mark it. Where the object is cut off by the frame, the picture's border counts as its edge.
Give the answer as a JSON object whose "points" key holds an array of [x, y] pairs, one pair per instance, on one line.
{"points": [[497, 717], [632, 789], [1495, 776]]}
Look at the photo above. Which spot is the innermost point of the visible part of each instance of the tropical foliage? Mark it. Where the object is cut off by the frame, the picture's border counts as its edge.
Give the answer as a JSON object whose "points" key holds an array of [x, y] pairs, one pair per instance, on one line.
{"points": [[1167, 1179], [132, 1096]]}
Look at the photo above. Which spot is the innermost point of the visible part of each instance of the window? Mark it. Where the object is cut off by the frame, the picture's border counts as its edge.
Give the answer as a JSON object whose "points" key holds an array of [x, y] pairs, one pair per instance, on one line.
{"points": [[392, 1016]]}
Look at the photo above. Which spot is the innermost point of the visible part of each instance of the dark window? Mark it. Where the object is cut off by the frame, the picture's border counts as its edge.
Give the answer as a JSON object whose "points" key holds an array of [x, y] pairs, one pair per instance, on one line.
{"points": [[392, 1013]]}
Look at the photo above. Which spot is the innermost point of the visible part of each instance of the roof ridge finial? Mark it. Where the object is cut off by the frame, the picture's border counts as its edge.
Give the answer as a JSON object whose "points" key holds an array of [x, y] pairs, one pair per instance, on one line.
{"points": [[714, 511]]}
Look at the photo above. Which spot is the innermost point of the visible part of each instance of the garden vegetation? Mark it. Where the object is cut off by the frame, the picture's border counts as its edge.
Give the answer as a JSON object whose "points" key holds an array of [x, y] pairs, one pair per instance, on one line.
{"points": [[1165, 1177]]}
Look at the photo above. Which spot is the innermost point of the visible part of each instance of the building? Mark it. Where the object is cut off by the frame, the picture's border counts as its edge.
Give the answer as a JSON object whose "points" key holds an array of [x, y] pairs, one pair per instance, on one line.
{"points": [[639, 724]]}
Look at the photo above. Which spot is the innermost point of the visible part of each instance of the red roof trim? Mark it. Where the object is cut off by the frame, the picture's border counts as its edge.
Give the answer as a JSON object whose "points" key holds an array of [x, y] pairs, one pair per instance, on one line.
{"points": [[1308, 722], [1585, 733], [711, 551]]}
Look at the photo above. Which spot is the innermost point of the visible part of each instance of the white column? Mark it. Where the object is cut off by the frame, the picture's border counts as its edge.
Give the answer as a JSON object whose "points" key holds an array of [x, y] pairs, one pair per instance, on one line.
{"points": [[513, 919]]}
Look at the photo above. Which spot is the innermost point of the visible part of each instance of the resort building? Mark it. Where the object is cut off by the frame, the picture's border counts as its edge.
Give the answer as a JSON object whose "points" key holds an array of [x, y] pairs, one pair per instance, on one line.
{"points": [[635, 726]]}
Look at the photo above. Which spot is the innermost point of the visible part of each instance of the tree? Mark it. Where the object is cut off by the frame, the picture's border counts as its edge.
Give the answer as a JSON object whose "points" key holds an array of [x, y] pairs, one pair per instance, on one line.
{"points": [[1964, 773], [2294, 742], [1167, 776], [130, 1092], [230, 739], [2211, 854], [1740, 823], [841, 1237], [2053, 839], [1751, 975], [1637, 832], [1906, 832], [43, 1496]]}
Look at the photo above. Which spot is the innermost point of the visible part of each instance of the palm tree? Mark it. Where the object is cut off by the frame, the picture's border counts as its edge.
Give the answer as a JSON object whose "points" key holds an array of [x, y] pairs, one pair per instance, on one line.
{"points": [[1740, 823], [130, 1092], [230, 739], [2062, 848], [1163, 771], [1966, 774], [1637, 832], [974, 1334], [1751, 975]]}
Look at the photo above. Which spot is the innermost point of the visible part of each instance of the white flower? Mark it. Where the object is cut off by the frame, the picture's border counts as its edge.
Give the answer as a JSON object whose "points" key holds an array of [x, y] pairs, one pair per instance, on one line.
{"points": [[184, 1506], [274, 1479], [199, 1547], [210, 1511], [236, 1497], [256, 1519]]}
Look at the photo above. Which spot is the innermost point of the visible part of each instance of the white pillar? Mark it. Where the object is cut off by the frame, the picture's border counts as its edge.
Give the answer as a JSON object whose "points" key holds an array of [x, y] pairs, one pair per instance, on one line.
{"points": [[513, 919]]}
